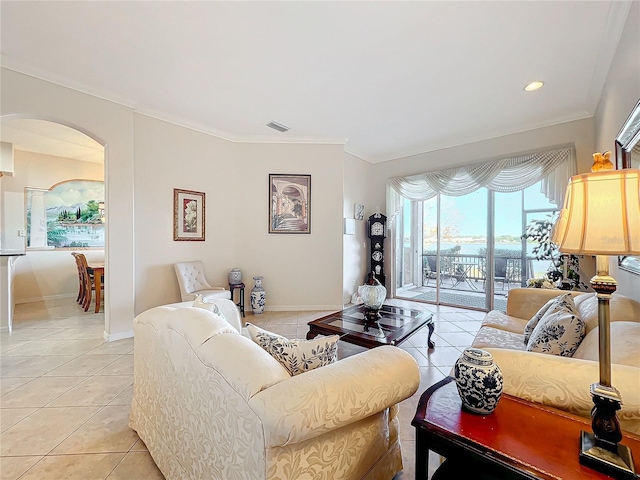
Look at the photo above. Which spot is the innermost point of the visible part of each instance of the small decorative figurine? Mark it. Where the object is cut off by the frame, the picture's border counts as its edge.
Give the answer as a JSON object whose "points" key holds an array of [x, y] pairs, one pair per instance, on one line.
{"points": [[602, 162]]}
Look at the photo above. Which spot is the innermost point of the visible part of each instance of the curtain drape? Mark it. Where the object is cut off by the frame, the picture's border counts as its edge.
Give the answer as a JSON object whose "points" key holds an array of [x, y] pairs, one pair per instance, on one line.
{"points": [[553, 167]]}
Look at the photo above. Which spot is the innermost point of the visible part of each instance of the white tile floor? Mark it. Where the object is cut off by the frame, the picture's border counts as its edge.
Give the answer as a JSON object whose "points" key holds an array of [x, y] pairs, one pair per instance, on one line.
{"points": [[65, 394]]}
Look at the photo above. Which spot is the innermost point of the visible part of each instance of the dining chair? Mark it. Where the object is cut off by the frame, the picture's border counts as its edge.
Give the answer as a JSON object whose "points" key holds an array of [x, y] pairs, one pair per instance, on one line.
{"points": [[81, 282], [88, 280]]}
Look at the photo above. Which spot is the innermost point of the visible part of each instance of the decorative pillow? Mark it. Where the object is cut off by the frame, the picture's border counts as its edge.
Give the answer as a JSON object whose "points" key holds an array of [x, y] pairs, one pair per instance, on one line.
{"points": [[297, 356], [531, 324], [201, 302], [560, 330]]}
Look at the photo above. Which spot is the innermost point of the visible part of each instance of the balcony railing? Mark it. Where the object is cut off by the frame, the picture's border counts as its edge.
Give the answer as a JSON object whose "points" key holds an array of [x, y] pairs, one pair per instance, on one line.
{"points": [[469, 268]]}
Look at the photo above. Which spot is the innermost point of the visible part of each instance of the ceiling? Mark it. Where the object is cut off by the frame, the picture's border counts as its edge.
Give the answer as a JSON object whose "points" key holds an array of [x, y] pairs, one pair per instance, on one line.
{"points": [[390, 79]]}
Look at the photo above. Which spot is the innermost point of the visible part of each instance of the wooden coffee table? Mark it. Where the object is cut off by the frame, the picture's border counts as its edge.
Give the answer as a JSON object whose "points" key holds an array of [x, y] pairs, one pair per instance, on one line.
{"points": [[519, 440], [394, 327]]}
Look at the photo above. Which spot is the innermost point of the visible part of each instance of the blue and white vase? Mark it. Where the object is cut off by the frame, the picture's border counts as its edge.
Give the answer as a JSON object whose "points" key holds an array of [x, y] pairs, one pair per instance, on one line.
{"points": [[258, 297], [235, 276], [479, 381]]}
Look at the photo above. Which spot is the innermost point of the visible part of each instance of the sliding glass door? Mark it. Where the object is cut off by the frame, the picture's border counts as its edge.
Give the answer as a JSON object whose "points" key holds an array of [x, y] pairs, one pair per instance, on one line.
{"points": [[463, 249], [468, 251], [407, 247]]}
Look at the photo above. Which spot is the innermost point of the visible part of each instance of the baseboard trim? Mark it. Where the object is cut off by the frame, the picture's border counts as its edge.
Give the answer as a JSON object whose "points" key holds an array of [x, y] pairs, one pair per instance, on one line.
{"points": [[296, 308], [112, 337], [45, 298]]}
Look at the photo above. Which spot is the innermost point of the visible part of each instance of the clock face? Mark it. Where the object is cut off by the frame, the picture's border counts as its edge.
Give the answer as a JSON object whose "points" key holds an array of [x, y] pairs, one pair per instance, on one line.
{"points": [[377, 256], [377, 229]]}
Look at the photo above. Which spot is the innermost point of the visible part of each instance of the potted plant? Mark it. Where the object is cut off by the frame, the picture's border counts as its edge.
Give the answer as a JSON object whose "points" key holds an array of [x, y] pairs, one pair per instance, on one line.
{"points": [[564, 271]]}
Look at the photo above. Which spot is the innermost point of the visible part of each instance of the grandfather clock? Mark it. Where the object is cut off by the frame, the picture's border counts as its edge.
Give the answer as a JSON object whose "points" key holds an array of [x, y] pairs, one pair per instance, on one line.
{"points": [[377, 231]]}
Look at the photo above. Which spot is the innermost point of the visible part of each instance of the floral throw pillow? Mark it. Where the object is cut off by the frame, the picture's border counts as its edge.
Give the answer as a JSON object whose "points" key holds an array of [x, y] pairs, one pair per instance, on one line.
{"points": [[531, 324], [560, 330], [201, 302], [297, 356]]}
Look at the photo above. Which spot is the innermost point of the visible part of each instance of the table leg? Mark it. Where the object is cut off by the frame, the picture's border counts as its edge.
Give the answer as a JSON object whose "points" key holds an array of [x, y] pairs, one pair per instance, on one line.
{"points": [[97, 275], [422, 456], [431, 328], [311, 334]]}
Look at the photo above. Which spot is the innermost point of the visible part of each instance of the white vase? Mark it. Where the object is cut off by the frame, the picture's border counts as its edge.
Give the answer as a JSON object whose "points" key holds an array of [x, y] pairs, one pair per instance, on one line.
{"points": [[258, 297]]}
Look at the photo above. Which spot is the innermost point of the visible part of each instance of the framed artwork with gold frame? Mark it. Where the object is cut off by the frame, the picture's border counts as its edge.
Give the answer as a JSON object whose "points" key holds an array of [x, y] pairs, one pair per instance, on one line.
{"points": [[188, 215], [289, 203]]}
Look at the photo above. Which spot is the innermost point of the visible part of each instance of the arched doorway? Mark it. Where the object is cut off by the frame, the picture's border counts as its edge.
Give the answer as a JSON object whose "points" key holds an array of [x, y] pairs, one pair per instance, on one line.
{"points": [[47, 153]]}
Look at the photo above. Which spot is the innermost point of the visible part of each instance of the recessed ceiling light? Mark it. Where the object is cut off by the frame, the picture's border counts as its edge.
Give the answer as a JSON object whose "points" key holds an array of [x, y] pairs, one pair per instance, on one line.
{"points": [[534, 86]]}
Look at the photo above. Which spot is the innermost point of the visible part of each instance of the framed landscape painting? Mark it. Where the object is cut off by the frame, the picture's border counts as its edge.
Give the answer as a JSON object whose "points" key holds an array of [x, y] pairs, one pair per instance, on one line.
{"points": [[188, 215], [289, 203]]}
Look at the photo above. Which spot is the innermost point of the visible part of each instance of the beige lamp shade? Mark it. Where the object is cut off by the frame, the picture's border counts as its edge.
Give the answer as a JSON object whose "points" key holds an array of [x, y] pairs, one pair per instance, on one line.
{"points": [[601, 214]]}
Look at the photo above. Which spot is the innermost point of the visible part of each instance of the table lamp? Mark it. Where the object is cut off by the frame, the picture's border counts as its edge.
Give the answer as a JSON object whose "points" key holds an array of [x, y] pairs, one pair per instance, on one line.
{"points": [[601, 216]]}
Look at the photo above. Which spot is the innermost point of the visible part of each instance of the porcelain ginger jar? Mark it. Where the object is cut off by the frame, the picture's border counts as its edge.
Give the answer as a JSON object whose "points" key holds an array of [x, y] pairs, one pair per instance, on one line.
{"points": [[479, 381]]}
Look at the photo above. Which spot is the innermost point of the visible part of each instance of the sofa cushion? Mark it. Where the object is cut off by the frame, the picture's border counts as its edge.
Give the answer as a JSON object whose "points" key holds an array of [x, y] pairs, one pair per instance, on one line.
{"points": [[489, 337], [560, 330], [533, 323], [502, 321], [202, 302], [625, 337], [297, 356], [621, 308]]}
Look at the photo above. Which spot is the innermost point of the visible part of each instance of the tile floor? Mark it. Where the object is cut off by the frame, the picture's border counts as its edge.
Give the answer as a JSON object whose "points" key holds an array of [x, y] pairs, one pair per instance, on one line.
{"points": [[65, 394]]}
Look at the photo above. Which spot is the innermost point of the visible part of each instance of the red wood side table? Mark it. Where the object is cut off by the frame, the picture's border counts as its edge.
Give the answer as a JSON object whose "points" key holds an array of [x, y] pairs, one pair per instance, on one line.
{"points": [[519, 440]]}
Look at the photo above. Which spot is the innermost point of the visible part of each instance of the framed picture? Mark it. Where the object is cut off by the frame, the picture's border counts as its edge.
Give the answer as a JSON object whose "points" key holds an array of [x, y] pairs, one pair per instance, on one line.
{"points": [[358, 211], [289, 203], [188, 215]]}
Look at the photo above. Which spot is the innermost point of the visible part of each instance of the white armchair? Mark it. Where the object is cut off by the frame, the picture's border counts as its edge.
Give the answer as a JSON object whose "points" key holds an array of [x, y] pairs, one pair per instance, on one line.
{"points": [[192, 282]]}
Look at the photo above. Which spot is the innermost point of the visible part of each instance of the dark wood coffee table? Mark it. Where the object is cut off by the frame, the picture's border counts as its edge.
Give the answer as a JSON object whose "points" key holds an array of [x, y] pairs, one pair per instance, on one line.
{"points": [[519, 440], [394, 327]]}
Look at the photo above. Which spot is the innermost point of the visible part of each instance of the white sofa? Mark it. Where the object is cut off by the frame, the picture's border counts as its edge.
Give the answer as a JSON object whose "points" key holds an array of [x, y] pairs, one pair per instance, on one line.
{"points": [[211, 404], [563, 382]]}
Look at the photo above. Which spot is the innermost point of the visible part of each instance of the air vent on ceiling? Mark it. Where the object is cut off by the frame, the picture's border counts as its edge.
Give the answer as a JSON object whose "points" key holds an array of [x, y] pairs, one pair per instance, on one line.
{"points": [[278, 126]]}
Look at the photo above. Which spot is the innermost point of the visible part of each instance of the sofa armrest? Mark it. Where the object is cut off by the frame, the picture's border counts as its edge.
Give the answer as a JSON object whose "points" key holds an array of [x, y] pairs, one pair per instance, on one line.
{"points": [[525, 302], [563, 382], [229, 310], [328, 398]]}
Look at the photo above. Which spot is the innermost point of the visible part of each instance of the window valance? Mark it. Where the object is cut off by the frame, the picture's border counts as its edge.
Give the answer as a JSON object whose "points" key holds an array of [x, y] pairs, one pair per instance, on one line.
{"points": [[511, 174]]}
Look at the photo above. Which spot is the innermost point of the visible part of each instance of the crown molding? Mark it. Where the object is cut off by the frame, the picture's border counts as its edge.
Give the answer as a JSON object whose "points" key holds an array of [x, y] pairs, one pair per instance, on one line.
{"points": [[495, 135], [24, 69]]}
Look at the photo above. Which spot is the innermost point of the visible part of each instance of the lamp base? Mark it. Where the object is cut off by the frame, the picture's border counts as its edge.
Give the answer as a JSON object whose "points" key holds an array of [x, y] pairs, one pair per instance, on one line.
{"points": [[614, 460]]}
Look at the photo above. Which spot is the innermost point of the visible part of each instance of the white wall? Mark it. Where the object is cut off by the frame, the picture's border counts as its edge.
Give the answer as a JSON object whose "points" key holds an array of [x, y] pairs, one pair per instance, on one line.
{"points": [[46, 273], [357, 189], [111, 125], [302, 269], [620, 95], [168, 156]]}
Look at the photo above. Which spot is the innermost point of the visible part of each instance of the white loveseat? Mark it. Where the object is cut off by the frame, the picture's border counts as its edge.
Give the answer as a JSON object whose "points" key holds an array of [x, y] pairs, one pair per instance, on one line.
{"points": [[563, 382], [209, 403]]}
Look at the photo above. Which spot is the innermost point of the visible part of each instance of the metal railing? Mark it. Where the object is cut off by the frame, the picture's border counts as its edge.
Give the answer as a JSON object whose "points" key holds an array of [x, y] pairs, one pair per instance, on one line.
{"points": [[473, 267]]}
